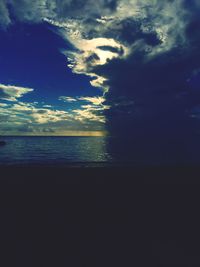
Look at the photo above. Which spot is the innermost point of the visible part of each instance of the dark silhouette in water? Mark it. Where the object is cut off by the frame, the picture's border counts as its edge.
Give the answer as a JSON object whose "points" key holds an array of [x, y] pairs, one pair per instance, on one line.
{"points": [[2, 143]]}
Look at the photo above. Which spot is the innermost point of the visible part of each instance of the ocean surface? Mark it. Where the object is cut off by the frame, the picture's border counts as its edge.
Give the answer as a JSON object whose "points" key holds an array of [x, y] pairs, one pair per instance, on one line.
{"points": [[54, 150], [92, 151]]}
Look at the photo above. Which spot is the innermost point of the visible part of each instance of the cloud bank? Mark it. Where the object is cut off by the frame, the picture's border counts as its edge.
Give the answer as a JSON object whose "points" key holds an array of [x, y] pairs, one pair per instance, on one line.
{"points": [[19, 117], [35, 118], [12, 93], [107, 29], [143, 54]]}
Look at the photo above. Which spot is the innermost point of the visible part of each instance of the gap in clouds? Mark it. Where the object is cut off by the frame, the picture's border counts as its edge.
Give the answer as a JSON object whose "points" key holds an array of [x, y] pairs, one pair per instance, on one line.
{"points": [[35, 118], [143, 55]]}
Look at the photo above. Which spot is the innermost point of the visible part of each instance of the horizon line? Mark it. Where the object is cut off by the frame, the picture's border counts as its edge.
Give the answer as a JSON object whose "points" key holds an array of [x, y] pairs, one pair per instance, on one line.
{"points": [[86, 134]]}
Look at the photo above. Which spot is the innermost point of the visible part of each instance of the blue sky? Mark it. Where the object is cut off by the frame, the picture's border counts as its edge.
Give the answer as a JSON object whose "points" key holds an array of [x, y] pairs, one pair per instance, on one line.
{"points": [[31, 57], [116, 66]]}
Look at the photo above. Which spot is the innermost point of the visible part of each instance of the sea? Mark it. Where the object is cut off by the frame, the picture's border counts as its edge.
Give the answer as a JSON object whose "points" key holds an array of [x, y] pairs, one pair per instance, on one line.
{"points": [[23, 150], [89, 151]]}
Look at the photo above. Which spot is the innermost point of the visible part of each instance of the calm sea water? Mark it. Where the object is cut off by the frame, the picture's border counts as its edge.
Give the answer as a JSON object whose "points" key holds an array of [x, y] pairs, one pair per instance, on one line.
{"points": [[54, 150], [93, 150]]}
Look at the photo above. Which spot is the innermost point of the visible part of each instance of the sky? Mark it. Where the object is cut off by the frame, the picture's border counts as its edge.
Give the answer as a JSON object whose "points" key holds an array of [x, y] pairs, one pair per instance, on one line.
{"points": [[129, 68]]}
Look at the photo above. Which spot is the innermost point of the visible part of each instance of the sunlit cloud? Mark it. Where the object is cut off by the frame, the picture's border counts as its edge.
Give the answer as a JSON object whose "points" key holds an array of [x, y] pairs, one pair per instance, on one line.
{"points": [[132, 42], [47, 106], [4, 15], [37, 118], [103, 31], [88, 108], [67, 99], [12, 93], [148, 26], [94, 100], [88, 114]]}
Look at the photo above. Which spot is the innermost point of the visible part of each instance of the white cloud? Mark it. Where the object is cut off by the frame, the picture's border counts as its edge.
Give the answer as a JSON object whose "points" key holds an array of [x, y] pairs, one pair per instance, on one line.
{"points": [[98, 100], [94, 111], [46, 106], [101, 39], [33, 117], [67, 99], [12, 93], [96, 28], [88, 114], [4, 14], [95, 100], [3, 105], [36, 114]]}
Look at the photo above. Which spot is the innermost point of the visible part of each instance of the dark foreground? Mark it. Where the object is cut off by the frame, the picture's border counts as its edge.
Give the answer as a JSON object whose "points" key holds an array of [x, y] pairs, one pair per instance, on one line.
{"points": [[61, 216]]}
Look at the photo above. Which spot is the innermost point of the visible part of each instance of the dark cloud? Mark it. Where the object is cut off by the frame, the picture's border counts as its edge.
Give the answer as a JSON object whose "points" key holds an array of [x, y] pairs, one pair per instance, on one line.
{"points": [[36, 11], [155, 98], [4, 14], [112, 4], [3, 95], [146, 55], [115, 50]]}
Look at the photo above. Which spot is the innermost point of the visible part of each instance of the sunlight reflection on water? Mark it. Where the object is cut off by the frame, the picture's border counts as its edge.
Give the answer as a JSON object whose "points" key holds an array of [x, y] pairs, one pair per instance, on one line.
{"points": [[45, 150]]}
